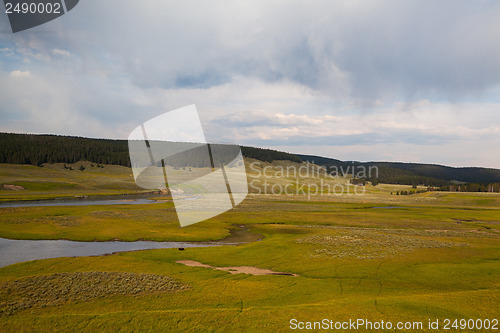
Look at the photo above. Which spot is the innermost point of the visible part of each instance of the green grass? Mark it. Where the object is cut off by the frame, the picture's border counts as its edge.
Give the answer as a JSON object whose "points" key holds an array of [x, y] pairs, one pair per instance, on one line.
{"points": [[435, 257], [454, 282], [156, 222]]}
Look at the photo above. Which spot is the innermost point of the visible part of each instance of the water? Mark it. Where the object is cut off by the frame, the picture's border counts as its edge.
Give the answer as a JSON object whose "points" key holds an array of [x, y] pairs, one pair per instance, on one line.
{"points": [[391, 207], [111, 200], [78, 202], [15, 251]]}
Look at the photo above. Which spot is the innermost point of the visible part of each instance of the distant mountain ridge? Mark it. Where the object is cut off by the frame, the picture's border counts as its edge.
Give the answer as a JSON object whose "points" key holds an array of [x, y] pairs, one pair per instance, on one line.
{"points": [[411, 173]]}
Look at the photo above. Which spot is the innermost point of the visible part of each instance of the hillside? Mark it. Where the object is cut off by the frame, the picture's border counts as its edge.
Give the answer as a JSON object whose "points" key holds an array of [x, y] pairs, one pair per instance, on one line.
{"points": [[413, 173], [40, 149]]}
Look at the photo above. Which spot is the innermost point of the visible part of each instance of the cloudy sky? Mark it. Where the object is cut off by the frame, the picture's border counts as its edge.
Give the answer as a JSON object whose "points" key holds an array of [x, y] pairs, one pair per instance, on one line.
{"points": [[412, 81]]}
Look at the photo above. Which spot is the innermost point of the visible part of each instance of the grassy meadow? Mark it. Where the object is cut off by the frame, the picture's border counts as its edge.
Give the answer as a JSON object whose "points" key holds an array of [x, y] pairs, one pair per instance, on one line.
{"points": [[54, 181], [376, 256]]}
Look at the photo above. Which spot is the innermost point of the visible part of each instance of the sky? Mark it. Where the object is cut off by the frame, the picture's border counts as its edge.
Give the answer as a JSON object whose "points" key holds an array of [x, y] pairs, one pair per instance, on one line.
{"points": [[409, 81]]}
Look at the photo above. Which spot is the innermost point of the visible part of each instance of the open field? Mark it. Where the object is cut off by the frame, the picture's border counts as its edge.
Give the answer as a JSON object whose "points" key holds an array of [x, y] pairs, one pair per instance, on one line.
{"points": [[378, 256], [54, 181]]}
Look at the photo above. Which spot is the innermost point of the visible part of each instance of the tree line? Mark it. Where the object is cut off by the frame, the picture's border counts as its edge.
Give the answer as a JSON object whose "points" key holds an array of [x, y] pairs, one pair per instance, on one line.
{"points": [[472, 187], [40, 149], [437, 176]]}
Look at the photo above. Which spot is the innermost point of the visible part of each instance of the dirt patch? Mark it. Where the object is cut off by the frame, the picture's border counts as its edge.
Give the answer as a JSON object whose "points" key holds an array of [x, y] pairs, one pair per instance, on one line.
{"points": [[192, 263], [55, 289], [235, 269], [13, 187]]}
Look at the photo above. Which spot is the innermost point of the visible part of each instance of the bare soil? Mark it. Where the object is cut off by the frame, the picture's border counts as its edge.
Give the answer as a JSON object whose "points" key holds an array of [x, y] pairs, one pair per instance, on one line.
{"points": [[13, 187], [252, 270]]}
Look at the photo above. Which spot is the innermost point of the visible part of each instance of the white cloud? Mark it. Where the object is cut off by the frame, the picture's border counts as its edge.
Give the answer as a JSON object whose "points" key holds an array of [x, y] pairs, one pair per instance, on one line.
{"points": [[61, 52], [20, 74], [267, 117]]}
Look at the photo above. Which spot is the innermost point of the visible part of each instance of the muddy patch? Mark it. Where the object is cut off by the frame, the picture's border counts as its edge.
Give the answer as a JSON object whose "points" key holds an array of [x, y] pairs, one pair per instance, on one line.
{"points": [[236, 269], [13, 187], [241, 234]]}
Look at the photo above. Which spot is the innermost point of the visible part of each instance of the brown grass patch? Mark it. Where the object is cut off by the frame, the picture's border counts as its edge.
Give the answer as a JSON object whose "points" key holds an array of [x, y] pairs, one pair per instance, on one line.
{"points": [[359, 243], [63, 221], [55, 289]]}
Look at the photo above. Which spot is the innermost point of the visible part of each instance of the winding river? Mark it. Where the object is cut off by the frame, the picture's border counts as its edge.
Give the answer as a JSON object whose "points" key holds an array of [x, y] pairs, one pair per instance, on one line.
{"points": [[108, 200], [15, 251]]}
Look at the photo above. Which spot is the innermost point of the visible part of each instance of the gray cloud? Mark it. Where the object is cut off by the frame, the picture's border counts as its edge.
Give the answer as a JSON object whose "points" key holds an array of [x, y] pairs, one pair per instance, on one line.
{"points": [[366, 51], [107, 65]]}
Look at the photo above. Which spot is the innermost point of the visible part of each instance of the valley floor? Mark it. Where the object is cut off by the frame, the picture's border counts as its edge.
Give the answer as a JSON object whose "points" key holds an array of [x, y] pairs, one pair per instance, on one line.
{"points": [[428, 256]]}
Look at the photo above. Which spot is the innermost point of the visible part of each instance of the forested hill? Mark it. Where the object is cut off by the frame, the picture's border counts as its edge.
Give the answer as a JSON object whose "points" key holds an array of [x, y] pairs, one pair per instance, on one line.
{"points": [[39, 149], [413, 173]]}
